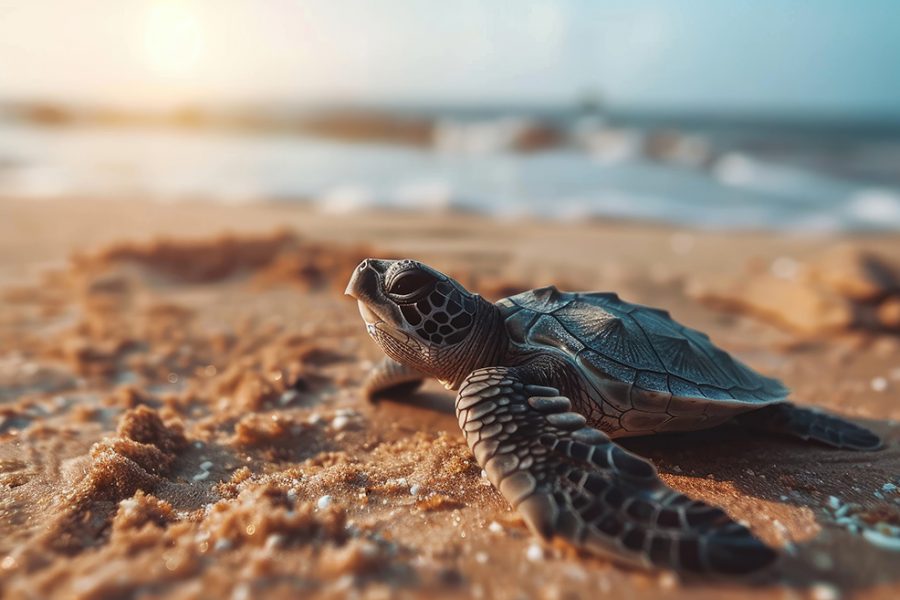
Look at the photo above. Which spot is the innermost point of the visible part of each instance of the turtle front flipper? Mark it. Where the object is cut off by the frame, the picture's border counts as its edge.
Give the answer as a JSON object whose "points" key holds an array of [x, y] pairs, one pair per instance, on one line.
{"points": [[571, 481], [808, 424], [391, 377]]}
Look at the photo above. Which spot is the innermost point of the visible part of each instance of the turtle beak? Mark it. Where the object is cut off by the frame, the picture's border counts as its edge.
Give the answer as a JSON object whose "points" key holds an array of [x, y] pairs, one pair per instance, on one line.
{"points": [[362, 281], [366, 280], [349, 290], [368, 315], [363, 287]]}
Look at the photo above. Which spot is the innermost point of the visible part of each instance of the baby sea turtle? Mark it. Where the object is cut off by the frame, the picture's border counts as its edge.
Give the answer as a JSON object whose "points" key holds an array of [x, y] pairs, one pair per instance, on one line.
{"points": [[547, 378]]}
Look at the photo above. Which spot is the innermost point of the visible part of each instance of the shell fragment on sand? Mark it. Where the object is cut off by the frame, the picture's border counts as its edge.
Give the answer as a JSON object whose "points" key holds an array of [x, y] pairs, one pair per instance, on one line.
{"points": [[887, 542], [852, 518]]}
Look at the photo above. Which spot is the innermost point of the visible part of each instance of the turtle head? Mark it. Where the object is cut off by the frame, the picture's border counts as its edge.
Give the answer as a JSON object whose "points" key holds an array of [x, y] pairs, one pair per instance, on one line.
{"points": [[419, 316]]}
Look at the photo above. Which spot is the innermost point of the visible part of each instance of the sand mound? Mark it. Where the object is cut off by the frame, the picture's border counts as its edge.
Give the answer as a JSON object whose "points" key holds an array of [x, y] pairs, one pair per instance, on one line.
{"points": [[135, 460], [276, 258], [841, 289]]}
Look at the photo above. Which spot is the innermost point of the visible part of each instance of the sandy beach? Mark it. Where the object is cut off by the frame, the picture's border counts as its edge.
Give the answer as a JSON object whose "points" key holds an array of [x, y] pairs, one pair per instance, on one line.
{"points": [[181, 417]]}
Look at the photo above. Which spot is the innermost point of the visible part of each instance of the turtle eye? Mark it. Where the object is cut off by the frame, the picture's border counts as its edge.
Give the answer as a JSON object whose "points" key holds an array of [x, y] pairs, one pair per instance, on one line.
{"points": [[411, 282]]}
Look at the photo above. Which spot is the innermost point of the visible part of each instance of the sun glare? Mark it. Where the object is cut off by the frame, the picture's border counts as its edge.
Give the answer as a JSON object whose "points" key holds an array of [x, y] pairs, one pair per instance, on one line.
{"points": [[173, 39]]}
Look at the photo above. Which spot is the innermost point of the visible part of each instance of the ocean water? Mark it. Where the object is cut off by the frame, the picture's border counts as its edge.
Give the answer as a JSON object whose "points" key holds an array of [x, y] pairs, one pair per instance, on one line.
{"points": [[743, 180]]}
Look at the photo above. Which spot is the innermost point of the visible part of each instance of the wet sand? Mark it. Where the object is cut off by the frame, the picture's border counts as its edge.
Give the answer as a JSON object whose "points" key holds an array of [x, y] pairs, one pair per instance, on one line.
{"points": [[180, 413]]}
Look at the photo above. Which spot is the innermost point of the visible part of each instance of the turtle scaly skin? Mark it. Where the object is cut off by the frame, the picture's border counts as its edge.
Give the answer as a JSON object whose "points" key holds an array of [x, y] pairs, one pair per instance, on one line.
{"points": [[547, 379]]}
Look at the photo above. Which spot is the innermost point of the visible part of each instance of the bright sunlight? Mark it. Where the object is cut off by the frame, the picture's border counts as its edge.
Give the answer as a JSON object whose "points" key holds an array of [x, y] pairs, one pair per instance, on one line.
{"points": [[173, 38]]}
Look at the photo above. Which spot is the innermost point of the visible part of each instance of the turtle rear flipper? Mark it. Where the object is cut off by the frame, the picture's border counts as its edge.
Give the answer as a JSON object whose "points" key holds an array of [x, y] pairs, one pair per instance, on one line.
{"points": [[571, 481], [808, 424]]}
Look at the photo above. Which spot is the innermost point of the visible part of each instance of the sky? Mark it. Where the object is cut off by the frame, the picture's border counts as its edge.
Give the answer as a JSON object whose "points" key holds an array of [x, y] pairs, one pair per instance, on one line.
{"points": [[766, 56]]}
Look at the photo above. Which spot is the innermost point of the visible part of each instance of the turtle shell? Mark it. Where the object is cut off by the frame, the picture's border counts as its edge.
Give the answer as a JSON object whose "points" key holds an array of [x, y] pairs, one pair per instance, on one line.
{"points": [[609, 338]]}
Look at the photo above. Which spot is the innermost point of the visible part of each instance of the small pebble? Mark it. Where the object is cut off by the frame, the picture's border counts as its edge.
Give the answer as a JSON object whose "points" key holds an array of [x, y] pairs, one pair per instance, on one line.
{"points": [[782, 529], [879, 384], [323, 502], [888, 487], [288, 397], [824, 591], [274, 540], [222, 544], [340, 422], [668, 580], [129, 505], [834, 502], [414, 489], [845, 521], [241, 592], [534, 553]]}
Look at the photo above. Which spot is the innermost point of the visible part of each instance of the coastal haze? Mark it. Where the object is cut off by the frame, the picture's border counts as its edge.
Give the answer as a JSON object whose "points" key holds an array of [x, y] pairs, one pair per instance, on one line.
{"points": [[783, 115]]}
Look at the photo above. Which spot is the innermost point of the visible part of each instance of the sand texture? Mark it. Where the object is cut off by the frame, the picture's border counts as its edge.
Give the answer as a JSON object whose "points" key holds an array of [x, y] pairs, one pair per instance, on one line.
{"points": [[181, 417]]}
